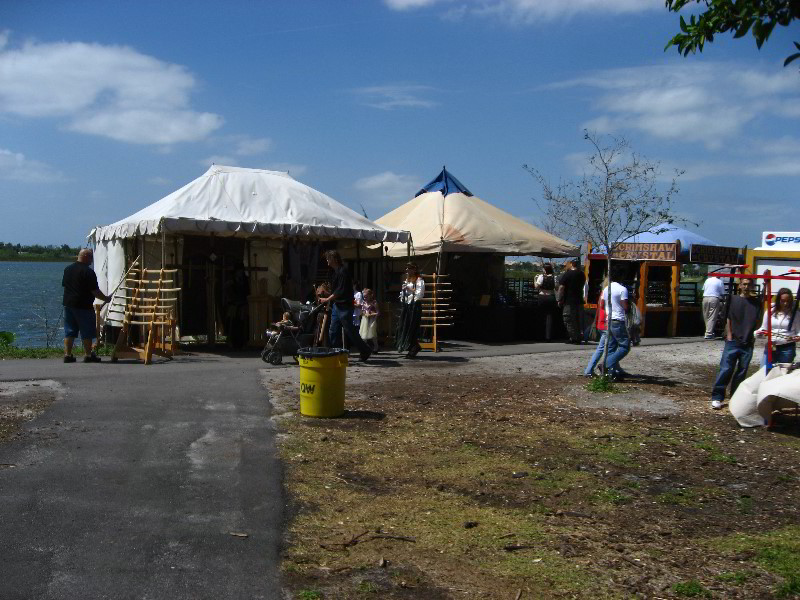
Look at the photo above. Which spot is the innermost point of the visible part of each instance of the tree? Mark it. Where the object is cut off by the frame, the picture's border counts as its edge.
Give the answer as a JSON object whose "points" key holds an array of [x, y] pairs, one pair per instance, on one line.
{"points": [[738, 16], [617, 199]]}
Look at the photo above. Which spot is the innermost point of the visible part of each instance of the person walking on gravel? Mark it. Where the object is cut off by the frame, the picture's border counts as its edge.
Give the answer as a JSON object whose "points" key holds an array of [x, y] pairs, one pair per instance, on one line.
{"points": [[743, 318], [80, 290], [713, 293]]}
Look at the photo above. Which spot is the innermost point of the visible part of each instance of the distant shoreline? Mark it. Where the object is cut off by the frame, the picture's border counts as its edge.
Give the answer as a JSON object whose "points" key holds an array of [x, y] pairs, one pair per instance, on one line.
{"points": [[37, 259]]}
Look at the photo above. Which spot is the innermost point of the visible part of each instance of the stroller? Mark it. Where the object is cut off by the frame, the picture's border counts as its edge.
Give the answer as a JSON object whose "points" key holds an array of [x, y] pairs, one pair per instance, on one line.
{"points": [[286, 340]]}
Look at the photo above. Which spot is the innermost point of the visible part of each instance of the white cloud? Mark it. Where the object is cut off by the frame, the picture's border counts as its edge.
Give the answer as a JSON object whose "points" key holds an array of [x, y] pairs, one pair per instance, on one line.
{"points": [[710, 103], [529, 11], [246, 146], [408, 4], [15, 166], [778, 166], [158, 181], [387, 188], [111, 91], [389, 97]]}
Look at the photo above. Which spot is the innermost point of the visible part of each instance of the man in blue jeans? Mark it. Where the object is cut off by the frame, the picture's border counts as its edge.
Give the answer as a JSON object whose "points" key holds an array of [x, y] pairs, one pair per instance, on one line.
{"points": [[743, 319], [615, 296], [341, 300]]}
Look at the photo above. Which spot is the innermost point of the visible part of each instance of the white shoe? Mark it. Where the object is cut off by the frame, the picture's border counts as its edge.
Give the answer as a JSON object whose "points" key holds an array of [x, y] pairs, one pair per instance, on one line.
{"points": [[716, 404]]}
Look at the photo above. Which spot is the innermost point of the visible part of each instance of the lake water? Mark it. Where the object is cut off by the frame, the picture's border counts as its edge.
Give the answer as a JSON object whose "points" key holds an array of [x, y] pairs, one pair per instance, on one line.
{"points": [[30, 297]]}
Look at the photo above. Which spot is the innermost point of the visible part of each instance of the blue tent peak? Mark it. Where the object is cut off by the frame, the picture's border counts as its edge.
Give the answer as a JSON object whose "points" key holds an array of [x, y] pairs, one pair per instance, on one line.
{"points": [[445, 183]]}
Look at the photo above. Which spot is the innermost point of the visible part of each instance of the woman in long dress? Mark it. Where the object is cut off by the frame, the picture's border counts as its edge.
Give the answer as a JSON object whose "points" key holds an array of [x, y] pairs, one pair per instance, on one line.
{"points": [[411, 311], [369, 319]]}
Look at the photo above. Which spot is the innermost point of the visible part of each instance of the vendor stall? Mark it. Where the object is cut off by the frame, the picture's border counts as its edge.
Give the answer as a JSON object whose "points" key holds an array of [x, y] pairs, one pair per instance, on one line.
{"points": [[457, 234], [650, 267]]}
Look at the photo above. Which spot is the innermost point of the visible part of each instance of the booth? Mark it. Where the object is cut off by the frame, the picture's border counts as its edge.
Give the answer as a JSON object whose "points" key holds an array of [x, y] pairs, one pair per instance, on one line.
{"points": [[650, 266], [461, 237], [238, 240]]}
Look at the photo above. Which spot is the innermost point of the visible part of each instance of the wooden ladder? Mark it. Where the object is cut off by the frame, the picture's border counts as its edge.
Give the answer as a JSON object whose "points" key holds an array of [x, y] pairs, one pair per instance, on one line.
{"points": [[147, 302], [437, 309]]}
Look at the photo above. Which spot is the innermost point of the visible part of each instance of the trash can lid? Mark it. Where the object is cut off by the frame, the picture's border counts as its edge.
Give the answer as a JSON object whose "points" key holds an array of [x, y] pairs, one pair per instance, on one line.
{"points": [[320, 352]]}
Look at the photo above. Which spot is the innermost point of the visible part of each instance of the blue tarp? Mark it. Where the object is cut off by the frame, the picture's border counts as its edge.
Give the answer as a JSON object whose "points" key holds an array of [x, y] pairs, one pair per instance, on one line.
{"points": [[445, 183]]}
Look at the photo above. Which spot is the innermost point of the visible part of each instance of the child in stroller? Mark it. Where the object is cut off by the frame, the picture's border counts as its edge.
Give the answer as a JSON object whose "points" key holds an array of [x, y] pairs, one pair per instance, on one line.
{"points": [[294, 331]]}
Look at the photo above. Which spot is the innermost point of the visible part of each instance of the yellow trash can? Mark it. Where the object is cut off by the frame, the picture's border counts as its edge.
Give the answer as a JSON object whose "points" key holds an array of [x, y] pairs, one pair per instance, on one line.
{"points": [[322, 376]]}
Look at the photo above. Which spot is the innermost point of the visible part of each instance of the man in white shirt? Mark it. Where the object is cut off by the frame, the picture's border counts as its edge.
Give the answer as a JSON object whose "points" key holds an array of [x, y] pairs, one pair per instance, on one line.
{"points": [[619, 343], [713, 292]]}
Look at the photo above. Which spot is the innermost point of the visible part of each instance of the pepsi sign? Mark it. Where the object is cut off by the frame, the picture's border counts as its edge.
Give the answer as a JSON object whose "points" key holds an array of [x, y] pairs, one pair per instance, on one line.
{"points": [[781, 239]]}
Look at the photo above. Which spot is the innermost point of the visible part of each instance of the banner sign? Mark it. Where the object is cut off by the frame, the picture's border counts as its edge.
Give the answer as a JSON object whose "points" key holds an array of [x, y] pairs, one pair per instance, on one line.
{"points": [[713, 255], [636, 251], [785, 240]]}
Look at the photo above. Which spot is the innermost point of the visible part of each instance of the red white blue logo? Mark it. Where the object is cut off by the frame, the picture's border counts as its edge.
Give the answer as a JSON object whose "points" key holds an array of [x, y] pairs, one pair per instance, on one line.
{"points": [[769, 239]]}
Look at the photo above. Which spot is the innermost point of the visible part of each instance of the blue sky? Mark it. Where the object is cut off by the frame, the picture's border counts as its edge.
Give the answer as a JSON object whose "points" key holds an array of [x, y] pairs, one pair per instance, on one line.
{"points": [[105, 107]]}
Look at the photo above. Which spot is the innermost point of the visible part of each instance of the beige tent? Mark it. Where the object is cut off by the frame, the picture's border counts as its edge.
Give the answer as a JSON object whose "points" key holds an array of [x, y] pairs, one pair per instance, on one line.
{"points": [[445, 217]]}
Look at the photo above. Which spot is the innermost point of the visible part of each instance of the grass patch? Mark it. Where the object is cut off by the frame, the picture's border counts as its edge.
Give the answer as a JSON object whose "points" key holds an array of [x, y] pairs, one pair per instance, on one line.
{"points": [[8, 352], [309, 595], [679, 497], [602, 384], [612, 496], [777, 552], [735, 577], [691, 589]]}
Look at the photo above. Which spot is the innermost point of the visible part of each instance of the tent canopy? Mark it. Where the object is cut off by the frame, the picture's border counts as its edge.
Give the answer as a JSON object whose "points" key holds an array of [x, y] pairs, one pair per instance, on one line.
{"points": [[668, 234], [249, 202], [445, 215]]}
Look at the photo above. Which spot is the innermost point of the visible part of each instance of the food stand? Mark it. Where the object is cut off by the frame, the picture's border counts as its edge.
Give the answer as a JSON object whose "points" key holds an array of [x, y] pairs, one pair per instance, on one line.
{"points": [[652, 273]]}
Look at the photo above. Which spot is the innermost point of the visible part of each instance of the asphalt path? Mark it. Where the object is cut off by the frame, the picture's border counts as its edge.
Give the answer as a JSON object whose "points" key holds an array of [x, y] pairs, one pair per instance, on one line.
{"points": [[133, 484]]}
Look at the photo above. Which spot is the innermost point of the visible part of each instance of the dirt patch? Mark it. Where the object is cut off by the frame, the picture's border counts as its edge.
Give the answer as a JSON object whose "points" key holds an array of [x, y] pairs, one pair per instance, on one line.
{"points": [[22, 401], [486, 485]]}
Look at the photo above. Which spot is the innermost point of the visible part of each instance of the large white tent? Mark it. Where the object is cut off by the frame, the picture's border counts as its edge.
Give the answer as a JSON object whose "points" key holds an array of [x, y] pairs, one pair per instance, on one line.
{"points": [[444, 216], [246, 202], [270, 213]]}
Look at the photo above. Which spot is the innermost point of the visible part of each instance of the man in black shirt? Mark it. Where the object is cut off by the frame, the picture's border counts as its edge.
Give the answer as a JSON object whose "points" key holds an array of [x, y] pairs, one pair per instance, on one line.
{"points": [[341, 300], [744, 317], [570, 299], [80, 290]]}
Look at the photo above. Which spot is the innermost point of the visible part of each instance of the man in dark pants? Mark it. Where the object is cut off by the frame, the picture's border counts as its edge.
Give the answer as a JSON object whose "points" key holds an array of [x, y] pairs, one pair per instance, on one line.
{"points": [[341, 300], [570, 299], [744, 316], [80, 290]]}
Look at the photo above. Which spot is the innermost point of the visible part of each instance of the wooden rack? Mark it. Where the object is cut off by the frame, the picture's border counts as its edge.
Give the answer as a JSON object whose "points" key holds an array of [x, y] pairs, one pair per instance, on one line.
{"points": [[148, 300], [437, 308]]}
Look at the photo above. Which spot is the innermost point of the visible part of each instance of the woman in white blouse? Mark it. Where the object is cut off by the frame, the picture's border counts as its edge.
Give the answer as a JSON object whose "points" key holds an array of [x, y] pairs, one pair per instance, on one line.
{"points": [[411, 295], [785, 327]]}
